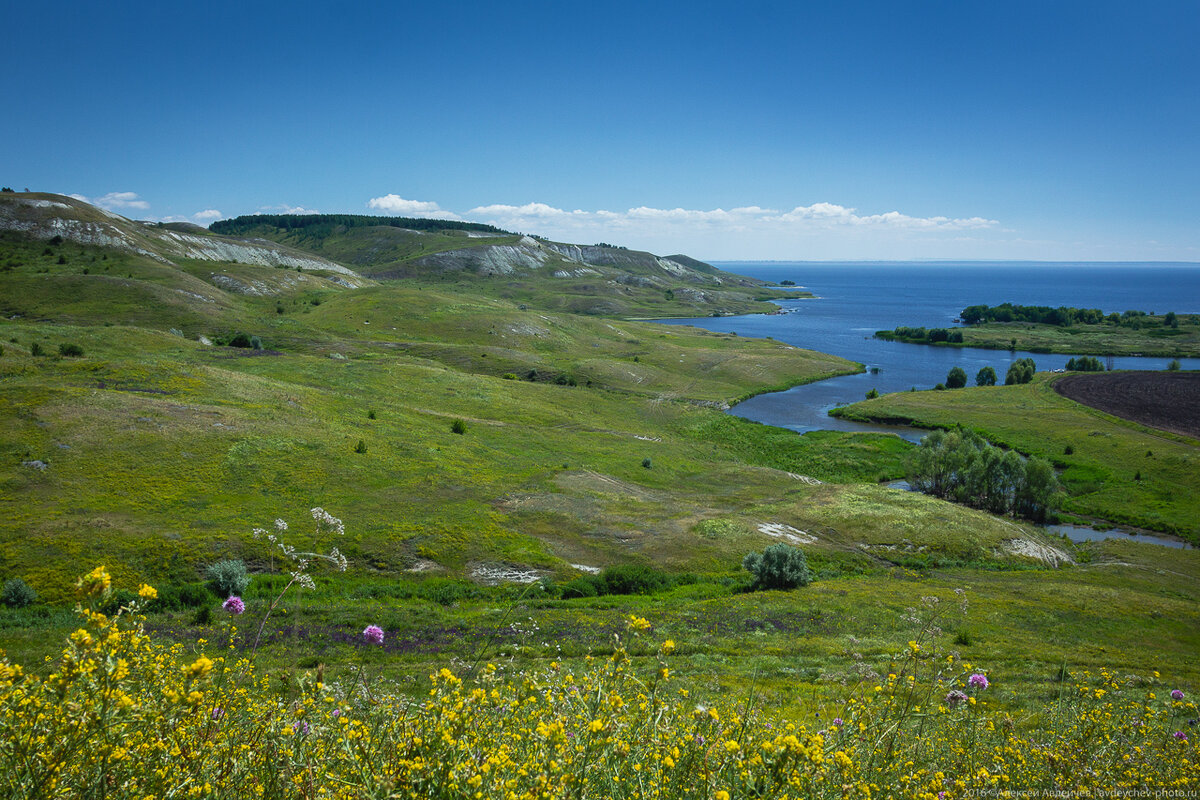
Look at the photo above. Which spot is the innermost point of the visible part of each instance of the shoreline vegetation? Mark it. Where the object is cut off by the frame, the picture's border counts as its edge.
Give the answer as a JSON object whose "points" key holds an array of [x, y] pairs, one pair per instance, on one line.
{"points": [[1112, 469], [1063, 330]]}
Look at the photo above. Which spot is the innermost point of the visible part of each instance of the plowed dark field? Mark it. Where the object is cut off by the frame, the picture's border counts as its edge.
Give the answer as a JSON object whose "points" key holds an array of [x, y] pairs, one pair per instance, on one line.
{"points": [[1169, 401]]}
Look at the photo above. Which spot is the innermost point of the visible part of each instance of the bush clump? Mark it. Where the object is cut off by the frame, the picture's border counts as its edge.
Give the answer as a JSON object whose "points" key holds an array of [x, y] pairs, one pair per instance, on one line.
{"points": [[227, 578], [621, 579], [1021, 371], [458, 426], [779, 566], [70, 350], [17, 594]]}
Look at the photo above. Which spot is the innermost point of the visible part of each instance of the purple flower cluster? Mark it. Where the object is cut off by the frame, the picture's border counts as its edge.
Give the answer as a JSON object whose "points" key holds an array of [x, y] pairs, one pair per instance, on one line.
{"points": [[955, 698], [234, 605], [373, 634], [978, 679], [1181, 736], [1176, 694]]}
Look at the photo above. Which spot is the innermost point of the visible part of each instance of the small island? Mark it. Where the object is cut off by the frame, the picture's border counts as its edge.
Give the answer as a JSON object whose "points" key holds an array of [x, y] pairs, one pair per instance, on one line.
{"points": [[1045, 329]]}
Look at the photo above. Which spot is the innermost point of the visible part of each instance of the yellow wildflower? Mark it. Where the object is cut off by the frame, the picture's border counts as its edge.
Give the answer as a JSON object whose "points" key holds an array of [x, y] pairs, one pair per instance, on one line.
{"points": [[96, 582]]}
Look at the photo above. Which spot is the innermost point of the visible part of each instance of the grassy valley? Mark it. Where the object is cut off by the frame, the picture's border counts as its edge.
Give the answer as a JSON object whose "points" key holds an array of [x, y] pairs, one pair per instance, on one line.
{"points": [[494, 429]]}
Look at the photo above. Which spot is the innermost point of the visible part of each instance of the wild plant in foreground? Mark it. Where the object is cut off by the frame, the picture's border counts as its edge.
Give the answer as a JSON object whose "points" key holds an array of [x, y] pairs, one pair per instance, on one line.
{"points": [[124, 716], [326, 524]]}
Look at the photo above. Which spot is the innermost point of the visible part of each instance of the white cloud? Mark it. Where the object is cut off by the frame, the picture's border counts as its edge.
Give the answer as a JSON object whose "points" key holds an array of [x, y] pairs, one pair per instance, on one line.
{"points": [[744, 219], [210, 213], [395, 204], [284, 208], [820, 230], [114, 200]]}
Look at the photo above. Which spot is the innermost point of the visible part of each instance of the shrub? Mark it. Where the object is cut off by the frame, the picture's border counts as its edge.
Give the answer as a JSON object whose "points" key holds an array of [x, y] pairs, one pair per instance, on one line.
{"points": [[1021, 371], [361, 447], [17, 593], [227, 577], [1174, 365], [509, 376], [35, 349], [584, 586], [371, 414], [1084, 364], [985, 377], [871, 395], [631, 579], [647, 463], [71, 350], [780, 566], [458, 426], [176, 598], [957, 378]]}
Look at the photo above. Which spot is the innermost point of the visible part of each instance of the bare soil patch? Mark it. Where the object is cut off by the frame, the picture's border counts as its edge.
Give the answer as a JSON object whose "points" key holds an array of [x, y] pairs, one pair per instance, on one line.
{"points": [[1169, 401]]}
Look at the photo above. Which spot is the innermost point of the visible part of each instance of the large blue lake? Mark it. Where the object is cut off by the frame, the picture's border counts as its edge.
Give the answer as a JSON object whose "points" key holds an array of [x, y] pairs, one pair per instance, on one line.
{"points": [[853, 300]]}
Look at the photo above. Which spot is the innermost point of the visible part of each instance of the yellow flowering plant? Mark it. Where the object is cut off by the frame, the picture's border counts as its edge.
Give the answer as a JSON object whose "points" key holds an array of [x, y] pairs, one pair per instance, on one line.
{"points": [[123, 715]]}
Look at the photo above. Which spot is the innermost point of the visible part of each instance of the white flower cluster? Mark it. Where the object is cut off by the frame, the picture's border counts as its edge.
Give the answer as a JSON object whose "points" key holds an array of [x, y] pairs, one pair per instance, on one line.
{"points": [[326, 523]]}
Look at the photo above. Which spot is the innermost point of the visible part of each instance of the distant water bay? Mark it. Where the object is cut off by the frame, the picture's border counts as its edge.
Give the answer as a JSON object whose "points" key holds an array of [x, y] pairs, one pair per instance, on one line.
{"points": [[855, 299]]}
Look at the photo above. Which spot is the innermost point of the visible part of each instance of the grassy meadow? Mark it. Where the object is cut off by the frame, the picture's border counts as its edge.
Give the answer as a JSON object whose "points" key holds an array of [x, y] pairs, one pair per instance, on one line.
{"points": [[488, 451]]}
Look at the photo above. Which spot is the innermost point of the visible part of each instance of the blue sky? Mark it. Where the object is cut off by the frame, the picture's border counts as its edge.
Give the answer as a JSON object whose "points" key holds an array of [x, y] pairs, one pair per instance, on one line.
{"points": [[756, 130]]}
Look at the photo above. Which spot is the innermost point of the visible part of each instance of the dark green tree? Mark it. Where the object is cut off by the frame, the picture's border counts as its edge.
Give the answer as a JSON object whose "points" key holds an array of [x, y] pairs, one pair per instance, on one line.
{"points": [[779, 566], [985, 377], [1021, 371], [957, 378]]}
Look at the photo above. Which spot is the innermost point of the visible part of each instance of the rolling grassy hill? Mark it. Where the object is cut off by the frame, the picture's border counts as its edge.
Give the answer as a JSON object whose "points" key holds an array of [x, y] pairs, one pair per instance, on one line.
{"points": [[587, 440]]}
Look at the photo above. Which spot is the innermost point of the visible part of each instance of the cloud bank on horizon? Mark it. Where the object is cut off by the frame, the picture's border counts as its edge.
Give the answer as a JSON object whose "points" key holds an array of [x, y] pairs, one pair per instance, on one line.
{"points": [[715, 231]]}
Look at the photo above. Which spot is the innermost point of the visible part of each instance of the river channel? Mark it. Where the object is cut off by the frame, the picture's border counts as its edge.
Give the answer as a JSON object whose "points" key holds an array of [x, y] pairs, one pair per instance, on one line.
{"points": [[852, 301]]}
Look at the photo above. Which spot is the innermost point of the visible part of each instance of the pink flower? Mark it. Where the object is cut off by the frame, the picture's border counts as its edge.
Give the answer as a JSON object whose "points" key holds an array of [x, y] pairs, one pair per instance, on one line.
{"points": [[1181, 736], [837, 722], [955, 698], [1176, 694], [373, 634], [234, 605], [978, 679]]}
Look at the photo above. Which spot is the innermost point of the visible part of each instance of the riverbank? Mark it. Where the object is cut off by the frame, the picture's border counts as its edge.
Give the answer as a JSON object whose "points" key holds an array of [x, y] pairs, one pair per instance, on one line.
{"points": [[1113, 469]]}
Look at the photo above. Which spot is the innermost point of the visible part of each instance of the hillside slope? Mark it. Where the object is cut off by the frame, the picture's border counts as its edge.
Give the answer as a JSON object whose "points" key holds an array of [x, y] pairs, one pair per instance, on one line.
{"points": [[587, 440], [592, 279]]}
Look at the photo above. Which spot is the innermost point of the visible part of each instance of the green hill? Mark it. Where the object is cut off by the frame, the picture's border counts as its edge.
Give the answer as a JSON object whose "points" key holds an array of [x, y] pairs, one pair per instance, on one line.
{"points": [[471, 429]]}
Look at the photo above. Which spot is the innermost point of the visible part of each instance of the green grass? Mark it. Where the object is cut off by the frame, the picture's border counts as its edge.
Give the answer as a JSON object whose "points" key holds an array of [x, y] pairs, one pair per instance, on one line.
{"points": [[162, 453], [1108, 453], [1131, 608]]}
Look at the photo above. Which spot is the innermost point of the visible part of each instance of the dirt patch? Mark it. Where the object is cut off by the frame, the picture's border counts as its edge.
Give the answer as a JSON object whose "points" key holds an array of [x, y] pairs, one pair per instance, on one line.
{"points": [[1169, 401], [1042, 552], [777, 530]]}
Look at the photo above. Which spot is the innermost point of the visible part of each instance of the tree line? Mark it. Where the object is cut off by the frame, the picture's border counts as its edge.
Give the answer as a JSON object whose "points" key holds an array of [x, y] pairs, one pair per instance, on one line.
{"points": [[1063, 316], [922, 335], [960, 465]]}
